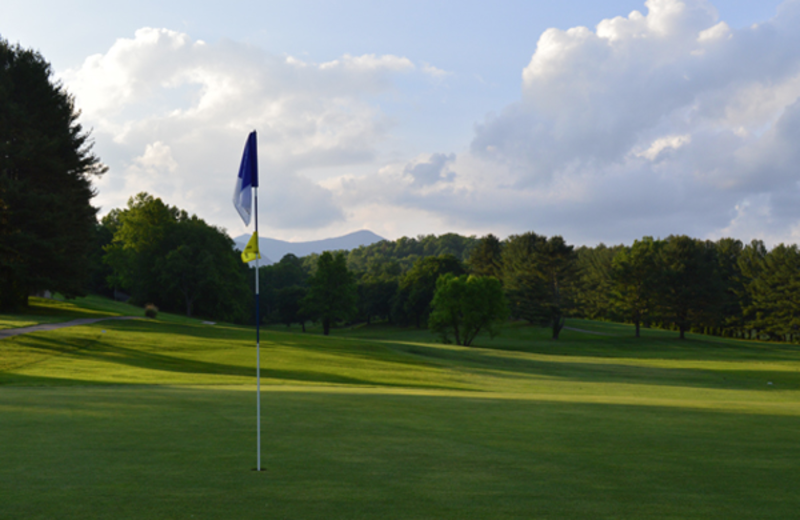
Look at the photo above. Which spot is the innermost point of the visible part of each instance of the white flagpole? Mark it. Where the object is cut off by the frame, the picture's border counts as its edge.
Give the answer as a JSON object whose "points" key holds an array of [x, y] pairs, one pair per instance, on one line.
{"points": [[258, 352]]}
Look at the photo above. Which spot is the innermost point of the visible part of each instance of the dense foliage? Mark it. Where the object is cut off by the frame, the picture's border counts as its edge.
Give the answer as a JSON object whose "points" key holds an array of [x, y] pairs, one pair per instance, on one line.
{"points": [[46, 166], [332, 292], [681, 283], [159, 254], [463, 306]]}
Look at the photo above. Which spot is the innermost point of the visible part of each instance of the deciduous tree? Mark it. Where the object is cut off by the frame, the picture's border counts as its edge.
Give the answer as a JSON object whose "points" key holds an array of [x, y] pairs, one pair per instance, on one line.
{"points": [[415, 293], [465, 305], [332, 293]]}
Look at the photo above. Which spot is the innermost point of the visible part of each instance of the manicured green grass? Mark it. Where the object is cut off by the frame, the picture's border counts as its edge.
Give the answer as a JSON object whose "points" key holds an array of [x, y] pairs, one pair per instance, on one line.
{"points": [[156, 419], [46, 310]]}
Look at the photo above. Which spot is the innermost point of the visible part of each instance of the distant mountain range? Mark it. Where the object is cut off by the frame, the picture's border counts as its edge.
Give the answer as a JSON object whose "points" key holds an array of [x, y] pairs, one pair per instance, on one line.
{"points": [[272, 250]]}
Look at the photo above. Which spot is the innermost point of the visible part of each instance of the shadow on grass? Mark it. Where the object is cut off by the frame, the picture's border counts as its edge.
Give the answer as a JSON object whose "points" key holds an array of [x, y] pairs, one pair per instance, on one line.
{"points": [[482, 359], [654, 344], [93, 350], [330, 345]]}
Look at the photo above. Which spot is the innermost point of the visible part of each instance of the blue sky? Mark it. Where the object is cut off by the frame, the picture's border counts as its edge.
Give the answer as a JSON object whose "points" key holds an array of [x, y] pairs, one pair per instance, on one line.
{"points": [[419, 117]]}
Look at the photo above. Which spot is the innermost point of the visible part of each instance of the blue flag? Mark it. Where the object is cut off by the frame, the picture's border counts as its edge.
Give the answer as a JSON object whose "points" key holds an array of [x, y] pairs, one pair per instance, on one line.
{"points": [[248, 178]]}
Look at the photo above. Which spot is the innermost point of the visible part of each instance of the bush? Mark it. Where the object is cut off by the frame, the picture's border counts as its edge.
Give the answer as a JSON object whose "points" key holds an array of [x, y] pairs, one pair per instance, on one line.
{"points": [[150, 310]]}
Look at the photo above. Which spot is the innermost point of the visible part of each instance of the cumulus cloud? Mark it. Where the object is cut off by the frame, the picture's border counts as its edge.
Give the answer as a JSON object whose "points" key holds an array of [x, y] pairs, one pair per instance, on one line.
{"points": [[661, 122], [170, 115]]}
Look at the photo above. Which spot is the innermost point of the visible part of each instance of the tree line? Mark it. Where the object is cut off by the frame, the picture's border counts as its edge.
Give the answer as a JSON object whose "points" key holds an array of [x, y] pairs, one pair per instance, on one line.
{"points": [[721, 287], [156, 253]]}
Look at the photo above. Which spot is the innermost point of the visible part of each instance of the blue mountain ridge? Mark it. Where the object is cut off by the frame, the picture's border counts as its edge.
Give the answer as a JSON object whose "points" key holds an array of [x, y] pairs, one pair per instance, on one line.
{"points": [[272, 250]]}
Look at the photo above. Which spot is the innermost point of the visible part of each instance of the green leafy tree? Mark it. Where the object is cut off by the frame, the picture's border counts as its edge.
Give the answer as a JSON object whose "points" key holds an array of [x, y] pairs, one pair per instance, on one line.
{"points": [[99, 270], [202, 273], [289, 303], [415, 292], [465, 305], [406, 251], [375, 298], [289, 272], [140, 240], [332, 292], [46, 167], [159, 254], [539, 275], [636, 276]]}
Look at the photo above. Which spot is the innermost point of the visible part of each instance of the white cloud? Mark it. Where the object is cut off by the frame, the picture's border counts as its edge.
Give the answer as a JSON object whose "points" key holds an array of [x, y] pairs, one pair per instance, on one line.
{"points": [[628, 130], [369, 62], [717, 32], [170, 115], [652, 124], [663, 121], [672, 142]]}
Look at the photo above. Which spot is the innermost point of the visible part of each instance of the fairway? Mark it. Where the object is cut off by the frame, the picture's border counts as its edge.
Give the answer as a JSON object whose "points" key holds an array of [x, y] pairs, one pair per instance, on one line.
{"points": [[156, 419]]}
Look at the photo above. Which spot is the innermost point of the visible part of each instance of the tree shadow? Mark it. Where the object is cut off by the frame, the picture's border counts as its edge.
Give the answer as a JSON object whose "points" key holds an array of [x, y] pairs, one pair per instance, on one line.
{"points": [[620, 373], [94, 350]]}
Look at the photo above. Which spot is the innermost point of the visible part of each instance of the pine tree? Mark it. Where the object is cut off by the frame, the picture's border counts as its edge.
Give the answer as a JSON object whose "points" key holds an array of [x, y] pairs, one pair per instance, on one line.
{"points": [[539, 275], [46, 166], [636, 272]]}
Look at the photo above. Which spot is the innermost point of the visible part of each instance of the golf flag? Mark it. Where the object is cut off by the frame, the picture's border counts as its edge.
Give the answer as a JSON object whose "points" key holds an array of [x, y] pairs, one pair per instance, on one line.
{"points": [[244, 198], [248, 178], [250, 252]]}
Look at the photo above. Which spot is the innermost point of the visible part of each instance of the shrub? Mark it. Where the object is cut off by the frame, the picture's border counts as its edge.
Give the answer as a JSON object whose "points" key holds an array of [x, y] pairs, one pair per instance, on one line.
{"points": [[150, 310]]}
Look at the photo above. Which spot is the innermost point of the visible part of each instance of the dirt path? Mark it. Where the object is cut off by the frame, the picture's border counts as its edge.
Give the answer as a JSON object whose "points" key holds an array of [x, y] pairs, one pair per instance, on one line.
{"points": [[7, 333]]}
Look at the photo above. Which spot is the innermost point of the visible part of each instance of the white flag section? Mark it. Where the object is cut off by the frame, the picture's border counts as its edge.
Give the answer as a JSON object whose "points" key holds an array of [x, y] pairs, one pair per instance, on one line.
{"points": [[248, 179]]}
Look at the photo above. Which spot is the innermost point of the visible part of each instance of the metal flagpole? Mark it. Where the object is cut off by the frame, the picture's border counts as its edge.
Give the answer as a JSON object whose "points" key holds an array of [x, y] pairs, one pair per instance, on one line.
{"points": [[245, 193], [258, 351]]}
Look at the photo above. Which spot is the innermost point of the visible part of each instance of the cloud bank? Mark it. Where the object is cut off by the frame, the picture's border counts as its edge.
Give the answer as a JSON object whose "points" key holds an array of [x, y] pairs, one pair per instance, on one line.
{"points": [[170, 116], [658, 122]]}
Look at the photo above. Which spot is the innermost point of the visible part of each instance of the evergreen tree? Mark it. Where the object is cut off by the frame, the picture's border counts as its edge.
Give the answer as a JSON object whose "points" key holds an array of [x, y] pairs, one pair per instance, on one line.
{"points": [[594, 288], [636, 275], [690, 290], [751, 266], [46, 166], [775, 294], [486, 258], [539, 275], [729, 250]]}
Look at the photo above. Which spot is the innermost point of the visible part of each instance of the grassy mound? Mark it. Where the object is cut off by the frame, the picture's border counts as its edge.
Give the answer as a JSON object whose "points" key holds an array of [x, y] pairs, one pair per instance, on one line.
{"points": [[156, 419]]}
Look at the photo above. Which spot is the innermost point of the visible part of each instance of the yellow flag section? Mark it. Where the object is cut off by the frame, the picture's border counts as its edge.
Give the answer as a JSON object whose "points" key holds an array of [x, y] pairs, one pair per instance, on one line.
{"points": [[250, 252]]}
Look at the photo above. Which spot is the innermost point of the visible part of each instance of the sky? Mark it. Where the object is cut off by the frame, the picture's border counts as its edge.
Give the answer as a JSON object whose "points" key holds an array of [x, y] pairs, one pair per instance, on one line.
{"points": [[598, 121]]}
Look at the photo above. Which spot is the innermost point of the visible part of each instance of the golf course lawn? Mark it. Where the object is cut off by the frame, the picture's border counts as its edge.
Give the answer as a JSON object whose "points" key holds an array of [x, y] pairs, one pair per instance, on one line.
{"points": [[156, 419]]}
